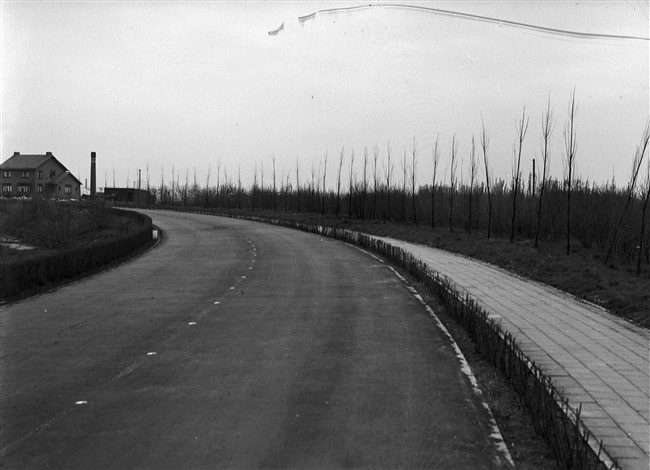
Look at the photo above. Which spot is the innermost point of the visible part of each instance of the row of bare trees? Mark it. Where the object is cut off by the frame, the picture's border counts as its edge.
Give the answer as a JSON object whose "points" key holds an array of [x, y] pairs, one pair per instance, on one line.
{"points": [[609, 218]]}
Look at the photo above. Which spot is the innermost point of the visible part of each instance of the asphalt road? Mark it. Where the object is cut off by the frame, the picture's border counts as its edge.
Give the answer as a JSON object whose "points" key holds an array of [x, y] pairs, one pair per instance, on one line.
{"points": [[234, 344]]}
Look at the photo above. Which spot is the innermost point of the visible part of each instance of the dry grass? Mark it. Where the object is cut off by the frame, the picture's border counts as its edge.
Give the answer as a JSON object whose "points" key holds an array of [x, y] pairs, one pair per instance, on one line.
{"points": [[583, 274]]}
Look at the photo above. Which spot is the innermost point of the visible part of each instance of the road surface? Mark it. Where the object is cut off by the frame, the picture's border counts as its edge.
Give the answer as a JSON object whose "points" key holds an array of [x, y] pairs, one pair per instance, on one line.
{"points": [[235, 344]]}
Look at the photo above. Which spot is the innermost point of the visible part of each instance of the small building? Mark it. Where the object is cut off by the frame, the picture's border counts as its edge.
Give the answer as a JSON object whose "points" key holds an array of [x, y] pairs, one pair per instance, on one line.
{"points": [[130, 195], [38, 175]]}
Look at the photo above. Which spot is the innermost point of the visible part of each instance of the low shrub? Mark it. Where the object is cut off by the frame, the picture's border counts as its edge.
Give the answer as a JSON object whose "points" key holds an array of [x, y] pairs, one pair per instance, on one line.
{"points": [[27, 273]]}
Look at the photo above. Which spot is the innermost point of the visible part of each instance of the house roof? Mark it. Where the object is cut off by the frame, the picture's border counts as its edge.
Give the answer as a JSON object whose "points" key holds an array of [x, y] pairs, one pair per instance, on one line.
{"points": [[27, 162], [61, 176]]}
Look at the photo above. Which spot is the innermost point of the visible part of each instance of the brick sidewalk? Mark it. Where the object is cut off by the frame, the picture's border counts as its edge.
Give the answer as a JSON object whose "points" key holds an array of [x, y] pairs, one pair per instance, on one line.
{"points": [[594, 358]]}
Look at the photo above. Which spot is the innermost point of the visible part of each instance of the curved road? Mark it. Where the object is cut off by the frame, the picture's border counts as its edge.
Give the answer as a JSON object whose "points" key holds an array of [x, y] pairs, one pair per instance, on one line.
{"points": [[235, 344]]}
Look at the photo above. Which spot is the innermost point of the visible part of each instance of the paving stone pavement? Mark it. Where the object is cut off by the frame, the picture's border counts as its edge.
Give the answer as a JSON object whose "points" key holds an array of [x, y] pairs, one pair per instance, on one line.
{"points": [[594, 358]]}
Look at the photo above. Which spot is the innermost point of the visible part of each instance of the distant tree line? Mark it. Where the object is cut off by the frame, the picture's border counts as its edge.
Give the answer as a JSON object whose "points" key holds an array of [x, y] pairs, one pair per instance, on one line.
{"points": [[607, 217]]}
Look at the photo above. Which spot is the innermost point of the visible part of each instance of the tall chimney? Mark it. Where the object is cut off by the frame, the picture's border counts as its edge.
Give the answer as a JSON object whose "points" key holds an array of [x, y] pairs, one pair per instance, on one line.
{"points": [[93, 176]]}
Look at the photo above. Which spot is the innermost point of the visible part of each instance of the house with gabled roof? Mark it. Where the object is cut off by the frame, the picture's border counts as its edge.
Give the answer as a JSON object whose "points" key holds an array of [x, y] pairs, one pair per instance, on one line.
{"points": [[38, 175]]}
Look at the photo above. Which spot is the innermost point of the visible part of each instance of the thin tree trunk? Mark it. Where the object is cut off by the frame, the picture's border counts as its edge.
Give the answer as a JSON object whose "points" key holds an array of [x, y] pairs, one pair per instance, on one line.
{"points": [[645, 207], [522, 128]]}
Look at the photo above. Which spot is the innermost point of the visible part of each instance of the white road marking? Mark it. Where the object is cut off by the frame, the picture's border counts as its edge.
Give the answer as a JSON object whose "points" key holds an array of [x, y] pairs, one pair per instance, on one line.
{"points": [[495, 433]]}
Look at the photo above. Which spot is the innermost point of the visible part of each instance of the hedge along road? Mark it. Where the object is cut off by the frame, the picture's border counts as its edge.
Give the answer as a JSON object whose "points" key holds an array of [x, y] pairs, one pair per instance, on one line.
{"points": [[235, 344]]}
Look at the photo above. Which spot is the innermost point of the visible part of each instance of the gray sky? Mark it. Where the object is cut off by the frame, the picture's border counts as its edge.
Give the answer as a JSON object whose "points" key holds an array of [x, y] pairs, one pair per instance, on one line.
{"points": [[189, 84]]}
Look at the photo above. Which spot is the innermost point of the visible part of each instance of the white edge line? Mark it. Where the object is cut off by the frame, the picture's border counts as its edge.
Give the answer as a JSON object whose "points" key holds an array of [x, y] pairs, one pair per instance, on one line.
{"points": [[495, 433]]}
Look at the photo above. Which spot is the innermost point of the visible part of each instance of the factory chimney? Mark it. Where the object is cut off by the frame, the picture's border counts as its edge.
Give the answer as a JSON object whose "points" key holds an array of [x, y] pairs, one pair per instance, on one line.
{"points": [[93, 176]]}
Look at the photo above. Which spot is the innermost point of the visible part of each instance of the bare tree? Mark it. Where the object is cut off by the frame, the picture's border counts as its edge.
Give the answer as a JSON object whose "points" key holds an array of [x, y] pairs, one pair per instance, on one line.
{"points": [[287, 188], [388, 171], [187, 182], [262, 184], [413, 192], [404, 171], [239, 188], [173, 187], [646, 197], [473, 170], [195, 187], [364, 186], [521, 128], [454, 165], [273, 161], [639, 154], [218, 179], [570, 159], [207, 186], [375, 153], [435, 154], [338, 181], [485, 143], [317, 186], [254, 188], [351, 185], [162, 184], [324, 190], [178, 184], [227, 187], [312, 188], [548, 125], [297, 184]]}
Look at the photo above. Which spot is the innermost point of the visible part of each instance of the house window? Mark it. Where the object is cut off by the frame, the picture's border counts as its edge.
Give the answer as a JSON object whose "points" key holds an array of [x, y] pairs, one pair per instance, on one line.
{"points": [[6, 174], [6, 187], [40, 189], [52, 173], [68, 189], [40, 174], [24, 174], [24, 188]]}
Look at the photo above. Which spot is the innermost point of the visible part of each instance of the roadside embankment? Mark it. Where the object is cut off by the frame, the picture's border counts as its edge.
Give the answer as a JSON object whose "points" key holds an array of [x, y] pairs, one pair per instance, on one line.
{"points": [[30, 272]]}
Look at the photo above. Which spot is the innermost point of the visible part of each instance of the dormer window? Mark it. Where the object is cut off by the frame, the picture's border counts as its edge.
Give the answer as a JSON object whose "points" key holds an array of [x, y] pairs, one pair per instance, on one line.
{"points": [[6, 174], [24, 174], [40, 174]]}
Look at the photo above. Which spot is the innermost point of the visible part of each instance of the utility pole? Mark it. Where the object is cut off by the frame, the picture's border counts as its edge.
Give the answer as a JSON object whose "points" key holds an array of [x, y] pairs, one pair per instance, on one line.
{"points": [[139, 177]]}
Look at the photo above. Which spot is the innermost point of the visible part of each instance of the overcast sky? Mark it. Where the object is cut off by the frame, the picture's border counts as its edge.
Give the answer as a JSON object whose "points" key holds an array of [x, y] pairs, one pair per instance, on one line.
{"points": [[189, 84]]}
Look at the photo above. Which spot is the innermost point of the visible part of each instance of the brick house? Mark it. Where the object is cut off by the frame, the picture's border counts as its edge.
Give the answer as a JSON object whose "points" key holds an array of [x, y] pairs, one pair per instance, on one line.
{"points": [[38, 175]]}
